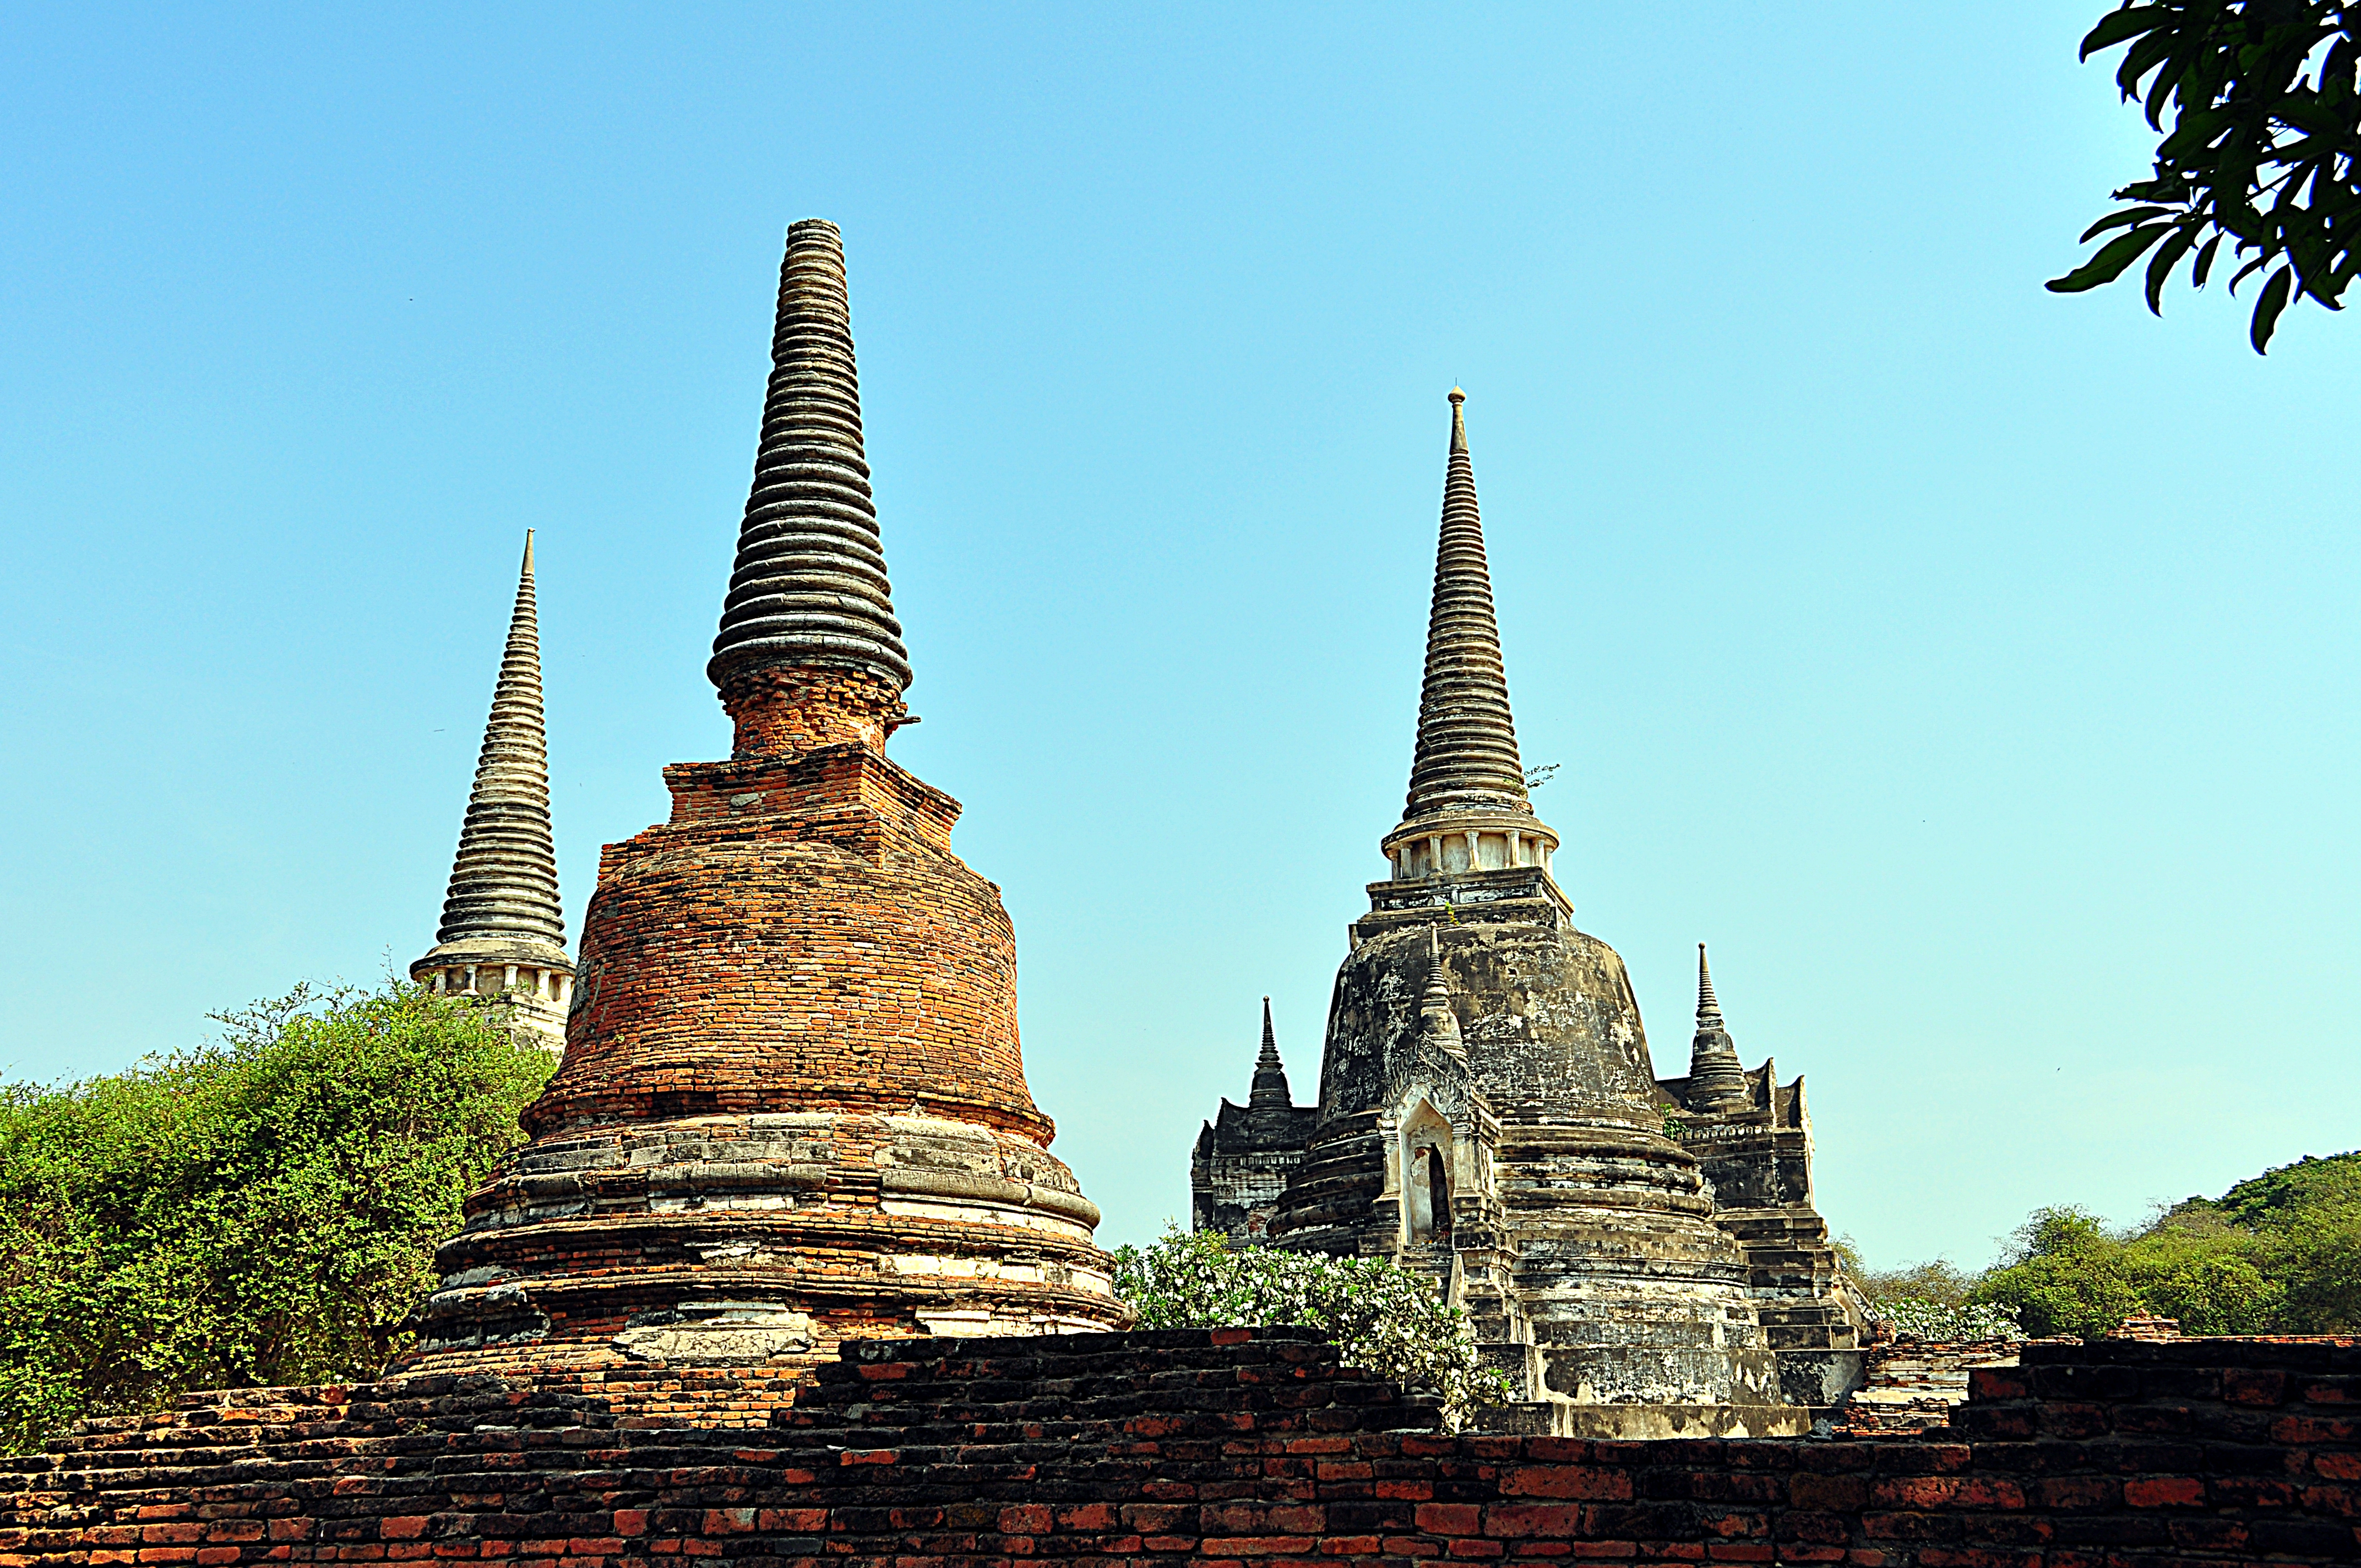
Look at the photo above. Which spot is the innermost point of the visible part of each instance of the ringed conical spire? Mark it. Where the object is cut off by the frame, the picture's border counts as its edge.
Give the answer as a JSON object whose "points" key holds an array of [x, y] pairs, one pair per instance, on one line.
{"points": [[504, 880], [502, 930], [1270, 1091], [1715, 1077], [809, 588], [1466, 757]]}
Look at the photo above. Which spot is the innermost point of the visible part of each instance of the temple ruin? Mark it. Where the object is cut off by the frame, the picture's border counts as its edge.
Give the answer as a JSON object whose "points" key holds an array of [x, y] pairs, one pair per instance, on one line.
{"points": [[1641, 1257], [1246, 1152], [792, 1110]]}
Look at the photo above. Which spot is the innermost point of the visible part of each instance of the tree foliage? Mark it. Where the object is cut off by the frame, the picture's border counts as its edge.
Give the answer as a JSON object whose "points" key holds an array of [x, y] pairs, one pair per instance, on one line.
{"points": [[2257, 105], [1927, 1300], [2278, 1254], [263, 1208], [2064, 1277], [1378, 1317]]}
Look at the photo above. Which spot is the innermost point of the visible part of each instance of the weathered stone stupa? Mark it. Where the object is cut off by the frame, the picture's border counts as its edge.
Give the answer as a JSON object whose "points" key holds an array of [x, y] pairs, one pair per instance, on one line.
{"points": [[503, 933], [793, 1109], [1487, 1114], [1752, 1138], [1245, 1153]]}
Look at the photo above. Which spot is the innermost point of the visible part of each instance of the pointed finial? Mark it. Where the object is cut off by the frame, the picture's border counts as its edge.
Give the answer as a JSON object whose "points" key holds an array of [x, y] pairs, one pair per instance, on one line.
{"points": [[809, 591], [1708, 1008], [1270, 1091], [1715, 1078], [501, 909], [1437, 1020], [1466, 757]]}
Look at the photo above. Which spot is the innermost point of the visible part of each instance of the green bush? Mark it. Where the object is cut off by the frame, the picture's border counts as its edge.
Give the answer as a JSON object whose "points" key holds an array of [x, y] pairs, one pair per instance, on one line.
{"points": [[1927, 1300], [1380, 1317], [1916, 1317], [2066, 1276], [2277, 1253], [263, 1208], [2306, 1218]]}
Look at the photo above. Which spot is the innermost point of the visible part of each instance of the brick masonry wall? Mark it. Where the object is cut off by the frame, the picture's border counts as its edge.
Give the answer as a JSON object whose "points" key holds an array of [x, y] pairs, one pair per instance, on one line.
{"points": [[784, 711], [798, 934], [792, 1107], [1911, 1385], [1227, 1448]]}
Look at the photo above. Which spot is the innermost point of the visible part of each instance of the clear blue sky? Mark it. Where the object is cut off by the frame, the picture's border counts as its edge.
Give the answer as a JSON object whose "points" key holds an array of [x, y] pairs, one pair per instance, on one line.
{"points": [[1971, 667]]}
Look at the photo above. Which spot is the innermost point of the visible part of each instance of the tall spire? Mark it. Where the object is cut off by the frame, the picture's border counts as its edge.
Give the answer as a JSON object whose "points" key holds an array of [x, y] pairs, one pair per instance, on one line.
{"points": [[1715, 1077], [809, 591], [1270, 1090], [502, 928], [1467, 740], [1709, 1009], [504, 880]]}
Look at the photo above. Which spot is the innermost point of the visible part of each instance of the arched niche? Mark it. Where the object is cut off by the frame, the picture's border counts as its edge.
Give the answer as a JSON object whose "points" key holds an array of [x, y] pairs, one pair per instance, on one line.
{"points": [[1424, 1144]]}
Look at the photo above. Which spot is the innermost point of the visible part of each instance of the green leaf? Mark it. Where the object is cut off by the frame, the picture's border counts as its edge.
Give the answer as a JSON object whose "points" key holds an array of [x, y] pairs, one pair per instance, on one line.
{"points": [[2108, 265], [2161, 89], [2159, 268], [2117, 220], [2308, 113], [2196, 274], [2268, 308], [2194, 131], [2127, 23]]}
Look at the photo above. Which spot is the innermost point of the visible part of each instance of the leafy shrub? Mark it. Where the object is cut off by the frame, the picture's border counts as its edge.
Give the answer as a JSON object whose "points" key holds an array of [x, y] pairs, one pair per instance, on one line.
{"points": [[2067, 1274], [2277, 1253], [2305, 1219], [1940, 1282], [1380, 1317], [1916, 1317], [263, 1208]]}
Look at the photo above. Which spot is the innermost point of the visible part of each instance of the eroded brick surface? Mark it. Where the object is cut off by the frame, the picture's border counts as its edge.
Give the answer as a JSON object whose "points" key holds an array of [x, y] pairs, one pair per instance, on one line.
{"points": [[1206, 1448]]}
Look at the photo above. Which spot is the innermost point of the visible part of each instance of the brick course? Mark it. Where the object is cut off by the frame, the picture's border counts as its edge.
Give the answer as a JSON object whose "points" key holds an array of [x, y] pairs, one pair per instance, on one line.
{"points": [[1226, 1448]]}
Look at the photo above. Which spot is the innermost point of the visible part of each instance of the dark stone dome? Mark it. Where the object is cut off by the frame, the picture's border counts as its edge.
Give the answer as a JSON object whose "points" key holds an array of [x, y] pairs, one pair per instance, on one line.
{"points": [[1550, 1030]]}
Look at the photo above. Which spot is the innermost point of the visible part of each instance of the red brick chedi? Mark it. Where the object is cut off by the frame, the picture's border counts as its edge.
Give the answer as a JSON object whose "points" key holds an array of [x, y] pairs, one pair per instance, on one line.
{"points": [[793, 1109]]}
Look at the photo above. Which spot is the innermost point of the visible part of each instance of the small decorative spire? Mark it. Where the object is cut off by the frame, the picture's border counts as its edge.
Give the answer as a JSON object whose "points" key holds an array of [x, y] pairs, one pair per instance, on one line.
{"points": [[1709, 1008], [1716, 1080], [1437, 1021], [504, 880], [1270, 1091], [1466, 756]]}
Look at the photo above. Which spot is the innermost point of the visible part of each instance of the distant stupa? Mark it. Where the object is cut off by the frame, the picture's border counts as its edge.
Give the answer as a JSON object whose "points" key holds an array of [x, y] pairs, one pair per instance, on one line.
{"points": [[1639, 1256], [503, 933]]}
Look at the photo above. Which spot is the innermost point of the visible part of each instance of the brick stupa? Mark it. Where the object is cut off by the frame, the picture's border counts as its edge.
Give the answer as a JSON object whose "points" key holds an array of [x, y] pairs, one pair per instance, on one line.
{"points": [[792, 1110]]}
